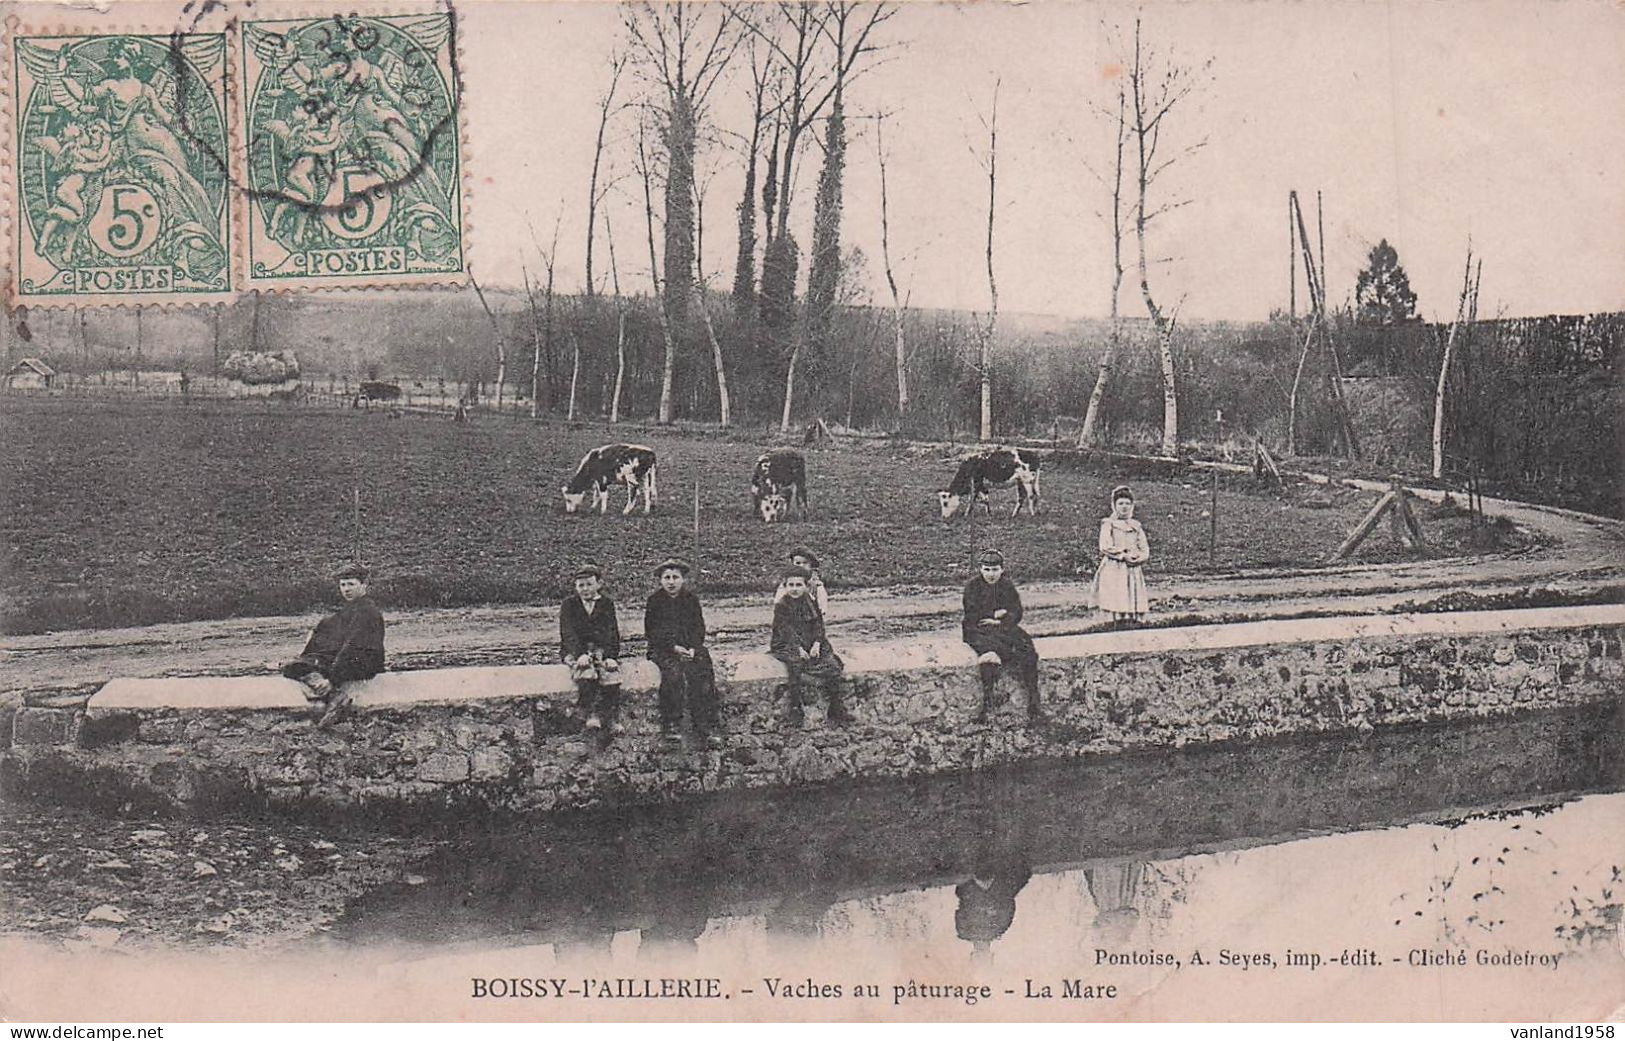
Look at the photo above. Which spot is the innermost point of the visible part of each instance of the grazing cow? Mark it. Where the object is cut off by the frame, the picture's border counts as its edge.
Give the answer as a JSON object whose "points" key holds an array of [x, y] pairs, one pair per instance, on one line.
{"points": [[779, 483], [631, 465], [1017, 467], [375, 390]]}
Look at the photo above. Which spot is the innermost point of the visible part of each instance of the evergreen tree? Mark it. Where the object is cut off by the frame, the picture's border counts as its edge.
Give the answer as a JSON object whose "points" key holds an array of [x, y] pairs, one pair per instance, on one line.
{"points": [[1382, 292]]}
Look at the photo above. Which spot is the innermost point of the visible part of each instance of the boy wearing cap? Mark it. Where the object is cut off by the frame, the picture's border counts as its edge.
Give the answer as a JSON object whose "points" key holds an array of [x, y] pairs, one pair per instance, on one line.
{"points": [[590, 644], [804, 557], [800, 643], [992, 628], [346, 645], [674, 626]]}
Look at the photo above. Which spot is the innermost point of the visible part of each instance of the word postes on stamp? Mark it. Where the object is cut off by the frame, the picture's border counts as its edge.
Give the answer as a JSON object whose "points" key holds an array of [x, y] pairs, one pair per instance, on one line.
{"points": [[120, 151], [352, 150]]}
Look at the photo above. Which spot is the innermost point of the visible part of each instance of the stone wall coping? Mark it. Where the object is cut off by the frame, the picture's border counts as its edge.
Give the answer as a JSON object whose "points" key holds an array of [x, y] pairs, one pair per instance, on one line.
{"points": [[499, 682]]}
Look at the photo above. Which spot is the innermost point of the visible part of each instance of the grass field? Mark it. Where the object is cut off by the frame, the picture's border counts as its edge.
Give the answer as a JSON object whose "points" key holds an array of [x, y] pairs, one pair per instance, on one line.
{"points": [[134, 513]]}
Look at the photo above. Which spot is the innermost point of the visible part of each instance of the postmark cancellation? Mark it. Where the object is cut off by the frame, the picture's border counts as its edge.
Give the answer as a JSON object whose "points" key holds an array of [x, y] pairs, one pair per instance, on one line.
{"points": [[352, 150], [185, 166]]}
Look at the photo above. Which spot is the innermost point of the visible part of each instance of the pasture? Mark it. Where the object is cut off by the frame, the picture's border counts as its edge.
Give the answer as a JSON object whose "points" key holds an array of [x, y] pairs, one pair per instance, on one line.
{"points": [[131, 513]]}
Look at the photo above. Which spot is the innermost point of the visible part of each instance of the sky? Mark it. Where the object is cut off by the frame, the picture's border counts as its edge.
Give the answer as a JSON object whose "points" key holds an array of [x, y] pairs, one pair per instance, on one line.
{"points": [[1423, 123]]}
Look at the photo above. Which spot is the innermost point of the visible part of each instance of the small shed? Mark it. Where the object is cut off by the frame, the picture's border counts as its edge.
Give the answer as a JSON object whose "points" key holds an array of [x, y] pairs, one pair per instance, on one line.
{"points": [[29, 374]]}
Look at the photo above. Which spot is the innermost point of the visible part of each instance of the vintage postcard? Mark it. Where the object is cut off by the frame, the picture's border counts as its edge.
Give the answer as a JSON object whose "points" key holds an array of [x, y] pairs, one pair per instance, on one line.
{"points": [[833, 511]]}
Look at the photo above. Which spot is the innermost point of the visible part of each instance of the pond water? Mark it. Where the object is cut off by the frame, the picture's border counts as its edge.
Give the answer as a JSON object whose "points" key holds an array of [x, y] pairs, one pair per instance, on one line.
{"points": [[1470, 871]]}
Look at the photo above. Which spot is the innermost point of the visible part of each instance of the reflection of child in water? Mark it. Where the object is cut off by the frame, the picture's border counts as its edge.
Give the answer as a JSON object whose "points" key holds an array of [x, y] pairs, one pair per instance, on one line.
{"points": [[987, 903]]}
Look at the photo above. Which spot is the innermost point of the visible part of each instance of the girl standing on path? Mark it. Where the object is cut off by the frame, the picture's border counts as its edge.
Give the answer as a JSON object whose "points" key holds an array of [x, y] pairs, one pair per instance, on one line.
{"points": [[1120, 579]]}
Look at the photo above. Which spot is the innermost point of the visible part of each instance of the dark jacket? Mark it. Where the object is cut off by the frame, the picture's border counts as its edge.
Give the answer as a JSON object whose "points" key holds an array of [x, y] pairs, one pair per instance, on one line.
{"points": [[673, 621], [982, 599], [582, 633], [349, 644], [797, 625], [985, 912]]}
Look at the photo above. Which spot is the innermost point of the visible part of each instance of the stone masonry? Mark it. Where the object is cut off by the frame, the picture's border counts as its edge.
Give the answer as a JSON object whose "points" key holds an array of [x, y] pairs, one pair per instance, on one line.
{"points": [[509, 739]]}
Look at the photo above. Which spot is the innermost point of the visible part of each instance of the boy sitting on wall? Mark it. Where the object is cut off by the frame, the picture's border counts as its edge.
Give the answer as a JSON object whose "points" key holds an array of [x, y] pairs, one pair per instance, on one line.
{"points": [[800, 643], [345, 646], [674, 626], [992, 628], [590, 644]]}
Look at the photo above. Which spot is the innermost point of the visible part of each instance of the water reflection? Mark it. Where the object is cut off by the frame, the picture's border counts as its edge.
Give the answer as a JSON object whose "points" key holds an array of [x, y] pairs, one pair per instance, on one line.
{"points": [[1097, 855]]}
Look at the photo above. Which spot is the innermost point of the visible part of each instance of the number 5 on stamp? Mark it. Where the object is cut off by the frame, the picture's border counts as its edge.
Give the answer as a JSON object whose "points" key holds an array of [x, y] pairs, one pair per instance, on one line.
{"points": [[353, 151], [121, 187]]}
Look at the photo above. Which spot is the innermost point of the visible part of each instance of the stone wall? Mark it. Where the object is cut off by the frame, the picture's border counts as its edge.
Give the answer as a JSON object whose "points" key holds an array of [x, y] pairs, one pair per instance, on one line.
{"points": [[456, 741]]}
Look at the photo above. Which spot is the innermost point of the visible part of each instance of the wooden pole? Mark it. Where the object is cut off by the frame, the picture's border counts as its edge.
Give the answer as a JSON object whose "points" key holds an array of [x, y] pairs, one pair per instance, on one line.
{"points": [[1291, 259], [1213, 521], [695, 563], [355, 515], [1320, 221], [1361, 530]]}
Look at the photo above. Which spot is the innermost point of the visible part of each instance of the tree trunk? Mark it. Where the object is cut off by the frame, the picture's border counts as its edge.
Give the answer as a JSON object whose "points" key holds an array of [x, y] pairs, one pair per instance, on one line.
{"points": [[992, 285], [789, 387], [1091, 415], [824, 270], [1159, 321], [744, 291], [891, 278], [575, 374], [726, 413], [535, 345], [496, 327], [620, 325], [668, 370], [679, 208], [604, 109], [1165, 352]]}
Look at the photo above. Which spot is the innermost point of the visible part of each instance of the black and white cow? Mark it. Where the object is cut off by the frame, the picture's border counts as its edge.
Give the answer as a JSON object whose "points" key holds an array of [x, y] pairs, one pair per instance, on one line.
{"points": [[995, 467], [631, 465], [779, 483]]}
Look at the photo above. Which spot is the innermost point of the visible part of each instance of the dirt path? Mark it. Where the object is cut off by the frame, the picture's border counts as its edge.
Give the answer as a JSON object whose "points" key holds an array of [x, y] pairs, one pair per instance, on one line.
{"points": [[1576, 553]]}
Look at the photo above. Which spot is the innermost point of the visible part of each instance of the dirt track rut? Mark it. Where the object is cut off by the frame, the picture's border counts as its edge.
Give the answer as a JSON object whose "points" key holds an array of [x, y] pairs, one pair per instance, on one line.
{"points": [[1576, 553]]}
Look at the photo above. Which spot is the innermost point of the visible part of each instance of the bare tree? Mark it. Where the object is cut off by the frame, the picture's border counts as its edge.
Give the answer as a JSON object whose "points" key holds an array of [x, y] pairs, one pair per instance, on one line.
{"points": [[620, 325], [668, 370], [891, 276], [1120, 125], [850, 30], [803, 85], [990, 162], [1466, 311], [549, 257], [762, 72], [595, 194], [496, 327], [724, 407], [682, 49], [1157, 85], [535, 342]]}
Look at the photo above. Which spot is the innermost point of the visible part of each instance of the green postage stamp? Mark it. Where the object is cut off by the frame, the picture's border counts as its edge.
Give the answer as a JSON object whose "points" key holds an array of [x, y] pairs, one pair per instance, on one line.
{"points": [[352, 147], [121, 166], [158, 161]]}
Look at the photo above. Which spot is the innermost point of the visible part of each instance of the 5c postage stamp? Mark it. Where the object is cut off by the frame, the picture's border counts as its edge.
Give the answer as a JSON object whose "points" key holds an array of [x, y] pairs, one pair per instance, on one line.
{"points": [[120, 153], [352, 147], [164, 154]]}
